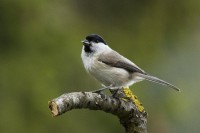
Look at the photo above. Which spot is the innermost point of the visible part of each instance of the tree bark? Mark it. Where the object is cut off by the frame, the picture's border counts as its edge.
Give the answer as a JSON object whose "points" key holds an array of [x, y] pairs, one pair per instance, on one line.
{"points": [[133, 119]]}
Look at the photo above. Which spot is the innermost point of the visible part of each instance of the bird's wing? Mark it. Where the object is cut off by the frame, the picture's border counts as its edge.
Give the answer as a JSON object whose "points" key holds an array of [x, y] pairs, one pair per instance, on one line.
{"points": [[114, 59]]}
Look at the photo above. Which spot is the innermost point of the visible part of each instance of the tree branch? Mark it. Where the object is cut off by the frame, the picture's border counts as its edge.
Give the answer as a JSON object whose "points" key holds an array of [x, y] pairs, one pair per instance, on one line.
{"points": [[132, 119]]}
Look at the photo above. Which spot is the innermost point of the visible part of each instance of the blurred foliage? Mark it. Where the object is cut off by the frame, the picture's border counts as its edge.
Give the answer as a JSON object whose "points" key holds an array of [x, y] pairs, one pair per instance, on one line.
{"points": [[40, 59]]}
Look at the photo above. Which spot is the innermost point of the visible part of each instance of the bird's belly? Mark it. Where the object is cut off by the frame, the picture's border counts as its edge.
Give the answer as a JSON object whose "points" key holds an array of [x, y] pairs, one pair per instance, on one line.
{"points": [[113, 76]]}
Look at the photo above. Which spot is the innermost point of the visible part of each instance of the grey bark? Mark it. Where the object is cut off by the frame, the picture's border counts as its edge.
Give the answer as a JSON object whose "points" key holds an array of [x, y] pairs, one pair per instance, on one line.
{"points": [[130, 117]]}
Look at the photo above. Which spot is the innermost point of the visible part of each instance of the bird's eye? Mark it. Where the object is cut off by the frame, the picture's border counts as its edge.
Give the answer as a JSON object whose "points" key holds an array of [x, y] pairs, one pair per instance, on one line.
{"points": [[97, 41]]}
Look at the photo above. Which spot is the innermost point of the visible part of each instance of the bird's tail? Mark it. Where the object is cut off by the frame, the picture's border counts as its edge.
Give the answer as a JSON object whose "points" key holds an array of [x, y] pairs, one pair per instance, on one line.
{"points": [[157, 80]]}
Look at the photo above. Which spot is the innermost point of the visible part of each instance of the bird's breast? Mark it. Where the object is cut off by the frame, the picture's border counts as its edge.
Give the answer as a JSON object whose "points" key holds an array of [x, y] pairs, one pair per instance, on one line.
{"points": [[108, 75]]}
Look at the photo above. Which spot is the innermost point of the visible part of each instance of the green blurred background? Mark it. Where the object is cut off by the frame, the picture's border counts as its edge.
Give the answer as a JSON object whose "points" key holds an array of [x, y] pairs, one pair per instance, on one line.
{"points": [[40, 60]]}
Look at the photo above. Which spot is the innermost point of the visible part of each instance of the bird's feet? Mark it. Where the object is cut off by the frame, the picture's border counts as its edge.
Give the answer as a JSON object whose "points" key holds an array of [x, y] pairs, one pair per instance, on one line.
{"points": [[112, 89], [100, 91]]}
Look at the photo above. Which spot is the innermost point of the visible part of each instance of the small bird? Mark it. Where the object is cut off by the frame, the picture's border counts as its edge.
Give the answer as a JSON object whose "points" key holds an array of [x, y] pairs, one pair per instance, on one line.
{"points": [[111, 69]]}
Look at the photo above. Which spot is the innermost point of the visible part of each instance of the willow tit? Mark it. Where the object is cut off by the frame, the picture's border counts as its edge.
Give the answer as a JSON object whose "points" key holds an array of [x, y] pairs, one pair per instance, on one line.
{"points": [[110, 68]]}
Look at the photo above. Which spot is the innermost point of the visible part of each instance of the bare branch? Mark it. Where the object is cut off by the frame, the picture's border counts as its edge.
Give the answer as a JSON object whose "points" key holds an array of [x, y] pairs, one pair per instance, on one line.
{"points": [[133, 120]]}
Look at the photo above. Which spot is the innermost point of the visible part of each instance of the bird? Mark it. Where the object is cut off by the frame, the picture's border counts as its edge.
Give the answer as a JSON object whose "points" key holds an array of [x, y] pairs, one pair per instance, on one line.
{"points": [[110, 68]]}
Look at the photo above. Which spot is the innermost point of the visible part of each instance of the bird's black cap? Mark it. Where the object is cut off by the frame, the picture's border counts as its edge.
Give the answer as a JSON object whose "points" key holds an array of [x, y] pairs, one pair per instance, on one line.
{"points": [[95, 38]]}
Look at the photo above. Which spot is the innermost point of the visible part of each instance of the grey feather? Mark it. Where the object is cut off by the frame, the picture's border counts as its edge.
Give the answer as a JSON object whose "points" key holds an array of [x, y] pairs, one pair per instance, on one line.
{"points": [[157, 80], [116, 60]]}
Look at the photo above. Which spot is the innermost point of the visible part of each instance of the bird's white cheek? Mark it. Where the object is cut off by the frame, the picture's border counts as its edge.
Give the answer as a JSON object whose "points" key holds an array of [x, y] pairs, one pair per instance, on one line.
{"points": [[86, 60]]}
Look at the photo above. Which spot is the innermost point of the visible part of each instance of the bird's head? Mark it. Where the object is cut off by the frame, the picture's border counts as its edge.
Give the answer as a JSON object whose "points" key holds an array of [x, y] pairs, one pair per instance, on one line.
{"points": [[94, 43]]}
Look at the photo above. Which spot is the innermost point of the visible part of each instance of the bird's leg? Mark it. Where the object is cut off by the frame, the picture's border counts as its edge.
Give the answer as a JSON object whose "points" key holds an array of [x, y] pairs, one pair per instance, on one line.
{"points": [[99, 90], [114, 92], [102, 89]]}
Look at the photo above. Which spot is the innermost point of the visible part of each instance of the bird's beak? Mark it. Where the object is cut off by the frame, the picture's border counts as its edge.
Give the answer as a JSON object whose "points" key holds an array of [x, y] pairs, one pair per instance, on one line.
{"points": [[85, 42]]}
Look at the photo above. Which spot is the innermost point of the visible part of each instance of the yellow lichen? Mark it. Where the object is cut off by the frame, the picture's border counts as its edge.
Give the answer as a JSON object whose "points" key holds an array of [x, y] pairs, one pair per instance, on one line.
{"points": [[134, 98]]}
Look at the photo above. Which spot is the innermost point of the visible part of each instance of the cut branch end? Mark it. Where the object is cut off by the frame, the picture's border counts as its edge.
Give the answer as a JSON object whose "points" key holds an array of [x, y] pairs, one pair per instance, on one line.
{"points": [[54, 108]]}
